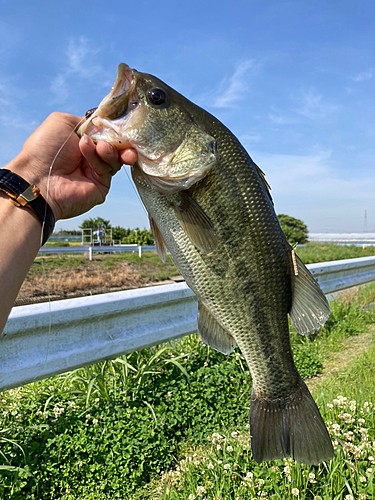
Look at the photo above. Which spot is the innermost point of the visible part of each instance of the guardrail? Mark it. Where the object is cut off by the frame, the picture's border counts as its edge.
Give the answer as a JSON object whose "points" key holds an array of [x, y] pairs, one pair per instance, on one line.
{"points": [[42, 340], [96, 249]]}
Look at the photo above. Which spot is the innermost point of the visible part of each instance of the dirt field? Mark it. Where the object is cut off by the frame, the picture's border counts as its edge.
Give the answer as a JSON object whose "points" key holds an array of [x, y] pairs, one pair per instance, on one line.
{"points": [[60, 277]]}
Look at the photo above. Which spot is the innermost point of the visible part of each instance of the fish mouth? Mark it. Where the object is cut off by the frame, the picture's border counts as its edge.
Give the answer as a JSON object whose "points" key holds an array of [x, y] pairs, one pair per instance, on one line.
{"points": [[101, 121]]}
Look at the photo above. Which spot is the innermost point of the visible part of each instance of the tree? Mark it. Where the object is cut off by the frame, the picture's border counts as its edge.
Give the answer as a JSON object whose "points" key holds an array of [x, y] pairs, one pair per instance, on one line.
{"points": [[96, 223], [295, 230], [138, 236]]}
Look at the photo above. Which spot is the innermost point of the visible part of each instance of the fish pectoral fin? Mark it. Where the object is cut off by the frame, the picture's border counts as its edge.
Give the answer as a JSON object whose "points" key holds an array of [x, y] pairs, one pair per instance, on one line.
{"points": [[161, 247], [212, 333], [310, 308], [195, 223]]}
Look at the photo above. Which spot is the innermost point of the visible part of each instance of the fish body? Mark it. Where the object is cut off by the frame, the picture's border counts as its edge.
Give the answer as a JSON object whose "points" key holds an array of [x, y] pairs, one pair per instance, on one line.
{"points": [[210, 206]]}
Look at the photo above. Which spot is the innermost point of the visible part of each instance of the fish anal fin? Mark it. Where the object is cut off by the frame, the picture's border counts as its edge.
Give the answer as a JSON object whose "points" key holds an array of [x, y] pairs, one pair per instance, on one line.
{"points": [[310, 308], [212, 333], [161, 247], [195, 223], [289, 427]]}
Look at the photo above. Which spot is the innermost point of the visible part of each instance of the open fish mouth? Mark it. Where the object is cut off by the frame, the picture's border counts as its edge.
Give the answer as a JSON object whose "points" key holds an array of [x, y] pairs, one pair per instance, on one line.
{"points": [[108, 120]]}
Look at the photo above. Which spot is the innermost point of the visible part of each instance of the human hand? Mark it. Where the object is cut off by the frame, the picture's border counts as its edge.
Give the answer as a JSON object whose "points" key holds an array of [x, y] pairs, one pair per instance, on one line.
{"points": [[81, 173]]}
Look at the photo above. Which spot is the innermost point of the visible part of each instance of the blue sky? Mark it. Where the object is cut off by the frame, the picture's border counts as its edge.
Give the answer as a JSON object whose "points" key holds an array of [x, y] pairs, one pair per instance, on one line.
{"points": [[294, 81]]}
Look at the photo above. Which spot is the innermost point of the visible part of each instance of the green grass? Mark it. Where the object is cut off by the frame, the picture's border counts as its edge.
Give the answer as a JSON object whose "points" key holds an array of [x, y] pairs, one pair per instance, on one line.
{"points": [[119, 428], [324, 252]]}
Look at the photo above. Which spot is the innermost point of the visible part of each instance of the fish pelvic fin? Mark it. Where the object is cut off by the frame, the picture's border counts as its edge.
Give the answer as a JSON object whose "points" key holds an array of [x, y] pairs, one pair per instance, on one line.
{"points": [[212, 333], [310, 308], [289, 427], [161, 247], [195, 223]]}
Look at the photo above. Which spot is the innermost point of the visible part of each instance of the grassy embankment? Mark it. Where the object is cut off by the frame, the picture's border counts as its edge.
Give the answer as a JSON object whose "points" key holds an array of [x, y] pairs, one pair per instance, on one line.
{"points": [[75, 274], [171, 423]]}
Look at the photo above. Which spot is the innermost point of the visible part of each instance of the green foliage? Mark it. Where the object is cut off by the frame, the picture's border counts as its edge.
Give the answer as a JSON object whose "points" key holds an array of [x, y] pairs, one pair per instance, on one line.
{"points": [[96, 223], [295, 230], [138, 236], [325, 252], [224, 468], [104, 432]]}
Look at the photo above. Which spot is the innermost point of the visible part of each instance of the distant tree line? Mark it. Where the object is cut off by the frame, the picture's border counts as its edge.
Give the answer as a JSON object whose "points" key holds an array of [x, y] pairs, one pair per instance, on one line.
{"points": [[295, 230], [127, 236]]}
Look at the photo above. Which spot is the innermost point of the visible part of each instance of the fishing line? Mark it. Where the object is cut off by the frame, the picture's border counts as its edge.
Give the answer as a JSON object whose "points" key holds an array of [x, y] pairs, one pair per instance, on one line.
{"points": [[41, 237]]}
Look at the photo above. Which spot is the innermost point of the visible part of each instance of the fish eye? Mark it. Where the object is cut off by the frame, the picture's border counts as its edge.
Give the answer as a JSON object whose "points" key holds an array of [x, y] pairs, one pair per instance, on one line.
{"points": [[157, 97]]}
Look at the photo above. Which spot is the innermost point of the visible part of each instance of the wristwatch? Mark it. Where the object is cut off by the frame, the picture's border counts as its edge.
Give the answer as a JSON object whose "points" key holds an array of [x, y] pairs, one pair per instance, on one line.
{"points": [[21, 193]]}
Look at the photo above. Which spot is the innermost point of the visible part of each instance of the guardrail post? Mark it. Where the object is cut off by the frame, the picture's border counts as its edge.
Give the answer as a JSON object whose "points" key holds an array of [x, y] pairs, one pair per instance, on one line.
{"points": [[140, 251], [90, 253]]}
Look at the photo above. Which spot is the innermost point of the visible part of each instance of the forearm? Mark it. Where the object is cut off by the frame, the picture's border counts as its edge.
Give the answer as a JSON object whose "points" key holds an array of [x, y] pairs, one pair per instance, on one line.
{"points": [[20, 241]]}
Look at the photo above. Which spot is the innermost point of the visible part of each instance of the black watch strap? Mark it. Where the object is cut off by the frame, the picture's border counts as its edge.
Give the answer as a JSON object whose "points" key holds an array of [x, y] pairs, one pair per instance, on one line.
{"points": [[21, 193]]}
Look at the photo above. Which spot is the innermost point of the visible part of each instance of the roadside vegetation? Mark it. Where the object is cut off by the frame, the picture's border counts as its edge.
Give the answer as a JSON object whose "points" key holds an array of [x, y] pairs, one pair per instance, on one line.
{"points": [[74, 275], [171, 422]]}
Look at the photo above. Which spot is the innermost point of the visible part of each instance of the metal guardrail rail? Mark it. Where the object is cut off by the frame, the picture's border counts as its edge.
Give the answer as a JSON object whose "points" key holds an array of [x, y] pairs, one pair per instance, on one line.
{"points": [[96, 249], [42, 340]]}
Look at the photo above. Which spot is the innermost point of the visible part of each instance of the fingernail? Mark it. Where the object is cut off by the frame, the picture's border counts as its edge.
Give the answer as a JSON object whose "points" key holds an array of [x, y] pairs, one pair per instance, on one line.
{"points": [[110, 151], [88, 141]]}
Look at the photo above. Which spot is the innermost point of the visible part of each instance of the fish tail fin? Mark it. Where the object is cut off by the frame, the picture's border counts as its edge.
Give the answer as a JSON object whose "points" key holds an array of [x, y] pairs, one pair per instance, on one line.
{"points": [[289, 427]]}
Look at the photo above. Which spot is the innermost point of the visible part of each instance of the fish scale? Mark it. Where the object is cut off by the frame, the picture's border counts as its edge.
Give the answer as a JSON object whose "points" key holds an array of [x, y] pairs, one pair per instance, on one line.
{"points": [[241, 257], [210, 206]]}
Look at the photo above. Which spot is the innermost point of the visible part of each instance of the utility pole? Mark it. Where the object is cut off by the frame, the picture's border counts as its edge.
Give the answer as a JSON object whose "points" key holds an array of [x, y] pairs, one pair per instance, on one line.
{"points": [[365, 228]]}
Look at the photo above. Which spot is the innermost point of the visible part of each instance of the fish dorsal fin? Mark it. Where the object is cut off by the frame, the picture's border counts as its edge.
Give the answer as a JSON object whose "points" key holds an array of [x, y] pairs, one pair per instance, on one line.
{"points": [[262, 176], [195, 223], [212, 333], [161, 247], [310, 308]]}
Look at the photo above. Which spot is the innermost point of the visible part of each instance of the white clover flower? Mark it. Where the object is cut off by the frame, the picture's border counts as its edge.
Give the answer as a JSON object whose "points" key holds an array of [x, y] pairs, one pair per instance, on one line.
{"points": [[88, 415], [295, 492], [218, 447], [200, 490], [95, 421], [361, 421], [330, 406], [80, 463], [312, 477], [362, 479], [318, 498], [210, 466], [249, 475], [349, 497], [234, 434], [191, 497], [261, 482], [226, 466], [229, 448], [369, 472]]}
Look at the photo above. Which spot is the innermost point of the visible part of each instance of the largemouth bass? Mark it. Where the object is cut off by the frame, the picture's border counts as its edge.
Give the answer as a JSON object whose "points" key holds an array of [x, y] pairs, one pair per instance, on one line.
{"points": [[210, 205]]}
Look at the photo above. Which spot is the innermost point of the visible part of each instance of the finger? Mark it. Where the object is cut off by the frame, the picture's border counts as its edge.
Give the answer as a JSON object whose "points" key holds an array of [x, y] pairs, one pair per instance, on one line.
{"points": [[88, 150], [129, 156], [110, 155]]}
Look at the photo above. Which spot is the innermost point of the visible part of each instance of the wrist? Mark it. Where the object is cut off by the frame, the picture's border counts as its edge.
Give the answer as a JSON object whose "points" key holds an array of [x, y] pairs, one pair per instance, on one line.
{"points": [[24, 195]]}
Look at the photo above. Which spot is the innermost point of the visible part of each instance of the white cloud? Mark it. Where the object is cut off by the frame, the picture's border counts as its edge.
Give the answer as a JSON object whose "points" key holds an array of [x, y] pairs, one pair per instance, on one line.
{"points": [[231, 90], [365, 75], [309, 187], [280, 119], [79, 53], [80, 63], [312, 105]]}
